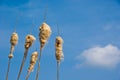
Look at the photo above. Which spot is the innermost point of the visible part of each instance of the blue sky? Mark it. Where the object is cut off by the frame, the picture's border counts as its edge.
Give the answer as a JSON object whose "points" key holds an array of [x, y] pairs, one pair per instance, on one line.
{"points": [[90, 29]]}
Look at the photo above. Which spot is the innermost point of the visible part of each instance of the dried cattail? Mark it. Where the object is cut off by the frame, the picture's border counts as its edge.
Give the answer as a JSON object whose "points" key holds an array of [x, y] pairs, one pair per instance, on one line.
{"points": [[58, 53], [44, 34], [58, 47], [28, 43], [29, 40], [33, 60], [13, 41]]}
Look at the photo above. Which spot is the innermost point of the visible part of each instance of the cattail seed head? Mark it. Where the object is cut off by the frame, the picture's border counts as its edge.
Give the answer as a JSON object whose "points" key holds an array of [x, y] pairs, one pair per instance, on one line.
{"points": [[58, 47], [44, 34], [29, 40], [14, 39], [33, 60]]}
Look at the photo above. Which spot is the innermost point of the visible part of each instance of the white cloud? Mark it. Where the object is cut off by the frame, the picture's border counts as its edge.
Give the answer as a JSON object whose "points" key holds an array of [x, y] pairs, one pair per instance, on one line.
{"points": [[111, 26], [108, 56]]}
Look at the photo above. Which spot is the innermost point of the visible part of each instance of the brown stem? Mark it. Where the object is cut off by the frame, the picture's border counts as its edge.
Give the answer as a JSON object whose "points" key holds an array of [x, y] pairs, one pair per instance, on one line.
{"points": [[38, 69], [12, 49], [8, 69], [58, 70], [27, 76], [10, 57], [23, 61]]}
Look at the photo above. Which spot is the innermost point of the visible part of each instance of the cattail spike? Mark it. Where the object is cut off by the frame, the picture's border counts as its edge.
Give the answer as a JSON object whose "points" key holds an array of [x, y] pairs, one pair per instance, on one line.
{"points": [[28, 43], [45, 32], [58, 46], [33, 60], [58, 53], [13, 41]]}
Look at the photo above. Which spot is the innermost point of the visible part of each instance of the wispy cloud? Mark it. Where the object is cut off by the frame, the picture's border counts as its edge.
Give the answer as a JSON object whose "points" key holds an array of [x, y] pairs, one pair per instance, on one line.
{"points": [[108, 27], [107, 57], [111, 26]]}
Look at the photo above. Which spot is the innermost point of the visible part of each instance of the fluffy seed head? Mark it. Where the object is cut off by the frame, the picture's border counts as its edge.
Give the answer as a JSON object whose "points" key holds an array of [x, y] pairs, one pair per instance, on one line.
{"points": [[44, 34], [33, 60], [14, 39], [29, 40], [58, 47]]}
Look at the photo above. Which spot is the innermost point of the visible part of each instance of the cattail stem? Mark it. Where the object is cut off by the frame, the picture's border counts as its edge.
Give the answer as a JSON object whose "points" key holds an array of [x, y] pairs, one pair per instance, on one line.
{"points": [[58, 70], [12, 49], [9, 61], [8, 69], [27, 76], [38, 69], [33, 60], [45, 14], [23, 61]]}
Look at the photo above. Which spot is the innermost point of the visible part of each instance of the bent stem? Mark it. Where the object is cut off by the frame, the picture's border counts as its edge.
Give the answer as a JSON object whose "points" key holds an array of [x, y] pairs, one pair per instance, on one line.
{"points": [[23, 61]]}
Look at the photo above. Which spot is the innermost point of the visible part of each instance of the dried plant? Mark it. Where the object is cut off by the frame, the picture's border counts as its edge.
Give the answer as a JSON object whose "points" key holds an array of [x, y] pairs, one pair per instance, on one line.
{"points": [[29, 41], [33, 60], [58, 53], [44, 35], [13, 41]]}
